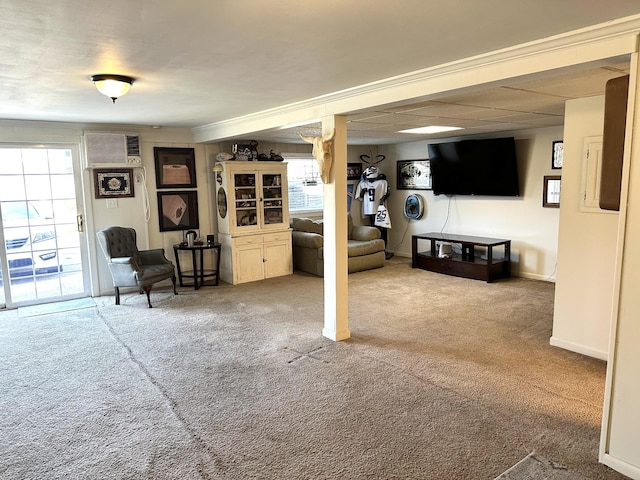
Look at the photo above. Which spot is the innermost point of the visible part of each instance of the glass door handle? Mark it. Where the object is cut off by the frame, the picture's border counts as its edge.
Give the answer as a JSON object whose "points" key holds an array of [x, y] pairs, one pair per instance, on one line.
{"points": [[80, 223]]}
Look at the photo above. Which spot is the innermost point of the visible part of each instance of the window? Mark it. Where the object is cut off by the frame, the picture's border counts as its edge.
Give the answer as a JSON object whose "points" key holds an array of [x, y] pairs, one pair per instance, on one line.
{"points": [[305, 185]]}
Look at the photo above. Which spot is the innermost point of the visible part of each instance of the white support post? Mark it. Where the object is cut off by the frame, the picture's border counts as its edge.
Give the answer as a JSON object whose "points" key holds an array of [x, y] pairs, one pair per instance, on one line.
{"points": [[620, 435], [336, 284]]}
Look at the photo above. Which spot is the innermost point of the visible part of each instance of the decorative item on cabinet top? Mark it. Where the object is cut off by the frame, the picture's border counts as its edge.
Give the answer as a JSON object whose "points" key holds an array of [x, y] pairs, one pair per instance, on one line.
{"points": [[245, 151], [248, 152]]}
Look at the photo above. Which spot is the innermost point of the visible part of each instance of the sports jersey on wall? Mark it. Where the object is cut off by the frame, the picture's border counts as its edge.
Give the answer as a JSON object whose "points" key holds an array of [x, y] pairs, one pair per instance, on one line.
{"points": [[371, 192]]}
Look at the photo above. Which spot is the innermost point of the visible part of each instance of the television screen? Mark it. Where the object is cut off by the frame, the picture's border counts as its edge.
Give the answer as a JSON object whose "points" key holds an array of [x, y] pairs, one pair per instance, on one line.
{"points": [[475, 167]]}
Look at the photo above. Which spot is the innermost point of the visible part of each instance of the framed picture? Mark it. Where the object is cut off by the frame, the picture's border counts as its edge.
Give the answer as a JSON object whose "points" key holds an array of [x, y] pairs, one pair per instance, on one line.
{"points": [[557, 148], [551, 191], [414, 175], [178, 210], [354, 171], [175, 167], [110, 183]]}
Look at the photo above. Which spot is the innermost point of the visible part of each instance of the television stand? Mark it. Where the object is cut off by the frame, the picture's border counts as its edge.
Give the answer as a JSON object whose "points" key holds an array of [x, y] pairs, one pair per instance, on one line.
{"points": [[476, 257]]}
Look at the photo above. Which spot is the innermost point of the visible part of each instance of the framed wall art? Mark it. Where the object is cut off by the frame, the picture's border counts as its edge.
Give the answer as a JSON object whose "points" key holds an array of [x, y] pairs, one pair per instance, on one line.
{"points": [[178, 211], [557, 149], [551, 191], [113, 183], [354, 171], [414, 175], [175, 167]]}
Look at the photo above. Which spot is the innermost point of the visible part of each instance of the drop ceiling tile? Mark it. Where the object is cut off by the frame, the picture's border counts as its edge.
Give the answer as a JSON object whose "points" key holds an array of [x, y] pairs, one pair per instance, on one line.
{"points": [[498, 127], [451, 110], [571, 85], [550, 109], [362, 127], [408, 108], [522, 117], [391, 118], [502, 98], [365, 115]]}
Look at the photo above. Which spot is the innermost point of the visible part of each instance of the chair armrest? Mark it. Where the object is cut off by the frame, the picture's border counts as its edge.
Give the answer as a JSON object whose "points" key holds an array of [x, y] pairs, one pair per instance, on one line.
{"points": [[364, 233], [124, 270], [154, 256], [307, 239], [121, 263]]}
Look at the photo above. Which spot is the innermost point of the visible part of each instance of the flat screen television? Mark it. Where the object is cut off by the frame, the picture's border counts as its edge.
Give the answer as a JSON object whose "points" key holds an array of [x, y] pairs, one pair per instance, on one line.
{"points": [[475, 167]]}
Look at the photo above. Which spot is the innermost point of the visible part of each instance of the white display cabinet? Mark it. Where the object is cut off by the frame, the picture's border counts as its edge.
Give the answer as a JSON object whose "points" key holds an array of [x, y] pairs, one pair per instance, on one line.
{"points": [[253, 221]]}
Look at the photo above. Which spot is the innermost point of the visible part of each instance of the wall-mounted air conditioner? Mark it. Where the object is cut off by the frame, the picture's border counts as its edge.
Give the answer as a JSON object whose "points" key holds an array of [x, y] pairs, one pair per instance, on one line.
{"points": [[109, 150]]}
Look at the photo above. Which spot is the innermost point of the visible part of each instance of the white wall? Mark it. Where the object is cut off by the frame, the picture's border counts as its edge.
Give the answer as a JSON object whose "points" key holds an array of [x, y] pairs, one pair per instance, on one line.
{"points": [[586, 245], [129, 211], [533, 230]]}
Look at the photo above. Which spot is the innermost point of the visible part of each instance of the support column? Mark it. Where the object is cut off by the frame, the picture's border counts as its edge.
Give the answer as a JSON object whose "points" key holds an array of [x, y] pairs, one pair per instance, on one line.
{"points": [[336, 284], [620, 434]]}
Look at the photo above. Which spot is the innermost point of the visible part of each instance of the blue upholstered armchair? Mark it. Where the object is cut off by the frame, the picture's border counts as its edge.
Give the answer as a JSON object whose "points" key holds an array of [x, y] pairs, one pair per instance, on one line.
{"points": [[131, 267]]}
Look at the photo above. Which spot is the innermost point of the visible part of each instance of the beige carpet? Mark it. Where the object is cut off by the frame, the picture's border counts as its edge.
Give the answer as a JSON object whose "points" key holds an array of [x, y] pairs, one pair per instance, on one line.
{"points": [[444, 378], [534, 467]]}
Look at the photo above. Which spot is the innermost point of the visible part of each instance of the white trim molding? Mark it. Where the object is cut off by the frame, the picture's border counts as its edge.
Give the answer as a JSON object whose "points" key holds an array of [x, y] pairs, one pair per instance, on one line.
{"points": [[608, 40]]}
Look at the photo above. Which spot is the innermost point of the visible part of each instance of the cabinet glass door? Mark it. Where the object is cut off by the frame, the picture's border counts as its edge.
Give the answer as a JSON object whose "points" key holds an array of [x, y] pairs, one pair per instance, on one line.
{"points": [[272, 198], [245, 198]]}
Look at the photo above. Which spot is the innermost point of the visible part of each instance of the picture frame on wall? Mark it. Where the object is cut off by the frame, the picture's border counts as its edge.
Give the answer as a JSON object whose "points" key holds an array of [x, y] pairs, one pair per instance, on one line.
{"points": [[557, 151], [175, 167], [354, 171], [178, 210], [414, 175], [551, 191], [113, 183]]}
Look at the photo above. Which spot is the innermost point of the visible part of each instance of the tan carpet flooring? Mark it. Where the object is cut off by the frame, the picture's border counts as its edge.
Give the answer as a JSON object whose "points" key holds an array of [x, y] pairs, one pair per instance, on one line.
{"points": [[443, 378]]}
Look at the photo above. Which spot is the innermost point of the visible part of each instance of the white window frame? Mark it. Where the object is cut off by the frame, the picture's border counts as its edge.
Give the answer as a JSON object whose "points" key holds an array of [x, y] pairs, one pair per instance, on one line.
{"points": [[292, 157]]}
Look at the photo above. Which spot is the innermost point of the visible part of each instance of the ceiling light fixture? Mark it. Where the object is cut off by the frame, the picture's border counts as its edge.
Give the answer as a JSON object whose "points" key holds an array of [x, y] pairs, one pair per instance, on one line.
{"points": [[113, 86], [431, 129]]}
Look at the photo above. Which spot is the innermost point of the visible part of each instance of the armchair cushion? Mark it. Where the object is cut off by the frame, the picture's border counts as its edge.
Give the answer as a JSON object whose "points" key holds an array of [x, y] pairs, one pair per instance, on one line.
{"points": [[307, 239], [365, 234], [358, 248], [307, 225]]}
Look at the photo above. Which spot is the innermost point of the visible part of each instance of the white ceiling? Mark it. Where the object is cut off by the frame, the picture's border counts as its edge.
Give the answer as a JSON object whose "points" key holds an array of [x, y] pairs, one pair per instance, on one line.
{"points": [[199, 62]]}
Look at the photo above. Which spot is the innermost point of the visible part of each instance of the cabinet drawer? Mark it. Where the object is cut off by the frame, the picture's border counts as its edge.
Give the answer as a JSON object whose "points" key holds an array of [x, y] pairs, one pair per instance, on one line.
{"points": [[277, 237], [250, 240]]}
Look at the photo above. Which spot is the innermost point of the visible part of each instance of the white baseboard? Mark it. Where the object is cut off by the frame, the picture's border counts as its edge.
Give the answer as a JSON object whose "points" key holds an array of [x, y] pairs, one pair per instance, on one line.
{"points": [[535, 276], [574, 347], [621, 466]]}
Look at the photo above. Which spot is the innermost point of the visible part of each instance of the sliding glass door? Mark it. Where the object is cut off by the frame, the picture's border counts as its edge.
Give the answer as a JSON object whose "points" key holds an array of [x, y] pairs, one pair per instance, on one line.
{"points": [[41, 251]]}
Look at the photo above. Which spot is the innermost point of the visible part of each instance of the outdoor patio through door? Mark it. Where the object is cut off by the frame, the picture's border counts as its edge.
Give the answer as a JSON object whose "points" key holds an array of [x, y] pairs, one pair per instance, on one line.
{"points": [[40, 247]]}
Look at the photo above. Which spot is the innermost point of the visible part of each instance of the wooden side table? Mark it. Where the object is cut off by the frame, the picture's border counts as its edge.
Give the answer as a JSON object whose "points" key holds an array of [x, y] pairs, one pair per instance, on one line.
{"points": [[201, 276]]}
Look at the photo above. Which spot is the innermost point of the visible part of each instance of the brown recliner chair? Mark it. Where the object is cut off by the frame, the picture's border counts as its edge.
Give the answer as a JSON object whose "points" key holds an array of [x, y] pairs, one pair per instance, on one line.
{"points": [[131, 267]]}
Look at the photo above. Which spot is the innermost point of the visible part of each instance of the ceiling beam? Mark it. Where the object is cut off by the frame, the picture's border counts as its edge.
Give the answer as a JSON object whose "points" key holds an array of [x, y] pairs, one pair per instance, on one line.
{"points": [[604, 41]]}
